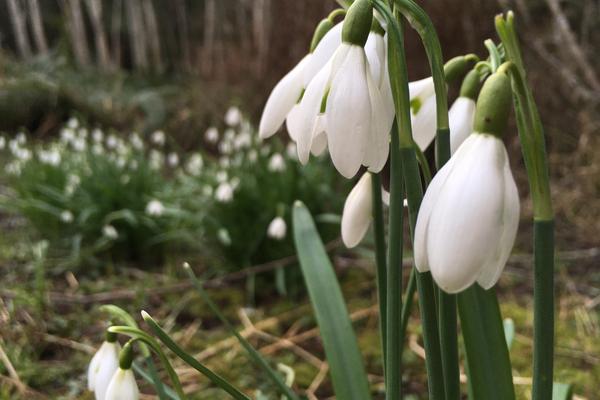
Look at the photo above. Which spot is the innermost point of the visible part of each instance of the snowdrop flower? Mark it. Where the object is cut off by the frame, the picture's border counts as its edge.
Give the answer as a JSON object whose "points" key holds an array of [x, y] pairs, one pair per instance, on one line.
{"points": [[112, 142], [253, 155], [221, 176], [66, 216], [83, 133], [2, 142], [242, 140], [224, 162], [22, 154], [155, 208], [357, 214], [277, 229], [73, 123], [79, 144], [276, 163], [356, 120], [225, 147], [156, 159], [97, 135], [224, 237], [110, 232], [50, 157], [103, 366], [67, 135], [122, 385], [290, 150], [211, 135], [194, 165], [233, 116], [158, 138], [136, 141], [73, 182], [21, 138], [173, 160], [462, 112], [13, 168], [224, 193], [423, 111], [469, 216], [284, 96]]}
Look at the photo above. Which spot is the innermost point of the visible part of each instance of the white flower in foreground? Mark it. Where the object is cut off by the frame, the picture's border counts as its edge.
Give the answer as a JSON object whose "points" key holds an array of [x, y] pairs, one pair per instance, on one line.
{"points": [[158, 138], [66, 216], [233, 116], [123, 386], [286, 94], [211, 135], [277, 229], [276, 163], [358, 212], [423, 112], [224, 193], [461, 115], [102, 368], [469, 216], [155, 208], [110, 232]]}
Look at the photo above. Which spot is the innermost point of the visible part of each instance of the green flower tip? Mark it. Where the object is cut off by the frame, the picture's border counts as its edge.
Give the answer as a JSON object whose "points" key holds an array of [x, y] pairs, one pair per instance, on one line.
{"points": [[298, 204], [126, 356], [186, 266], [494, 104], [147, 316], [110, 336], [470, 85], [357, 23], [324, 26]]}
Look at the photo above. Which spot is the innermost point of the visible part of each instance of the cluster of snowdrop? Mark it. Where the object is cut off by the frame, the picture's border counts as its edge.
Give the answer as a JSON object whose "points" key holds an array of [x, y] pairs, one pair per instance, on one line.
{"points": [[339, 98]]}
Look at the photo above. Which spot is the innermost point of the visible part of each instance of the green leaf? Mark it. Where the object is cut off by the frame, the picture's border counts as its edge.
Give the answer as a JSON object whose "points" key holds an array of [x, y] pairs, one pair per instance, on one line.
{"points": [[490, 373], [341, 348], [562, 391], [509, 331]]}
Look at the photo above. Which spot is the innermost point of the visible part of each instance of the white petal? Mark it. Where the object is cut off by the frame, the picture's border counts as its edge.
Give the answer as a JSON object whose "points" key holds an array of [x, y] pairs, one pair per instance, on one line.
{"points": [[386, 91], [378, 145], [323, 53], [348, 111], [123, 386], [375, 51], [461, 115], [281, 100], [357, 214], [91, 373], [293, 122], [319, 140], [422, 88], [509, 224], [464, 224], [107, 364], [308, 111], [424, 124]]}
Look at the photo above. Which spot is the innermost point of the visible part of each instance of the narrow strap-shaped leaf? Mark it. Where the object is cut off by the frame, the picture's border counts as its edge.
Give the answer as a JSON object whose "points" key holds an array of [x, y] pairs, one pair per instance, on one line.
{"points": [[339, 340], [562, 391], [252, 352], [490, 373], [147, 376]]}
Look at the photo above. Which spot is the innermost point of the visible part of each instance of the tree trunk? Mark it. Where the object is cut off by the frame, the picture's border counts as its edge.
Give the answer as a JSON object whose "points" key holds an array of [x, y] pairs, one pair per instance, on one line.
{"points": [[152, 34], [261, 27], [210, 16], [183, 30], [77, 31], [17, 17], [94, 8], [115, 29], [37, 26], [137, 37]]}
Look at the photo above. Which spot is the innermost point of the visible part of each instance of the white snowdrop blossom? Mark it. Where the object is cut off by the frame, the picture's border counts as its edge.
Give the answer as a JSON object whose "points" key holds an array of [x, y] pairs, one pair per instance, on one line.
{"points": [[73, 123], [155, 208], [158, 138], [79, 144], [73, 182], [173, 160], [21, 138], [242, 140], [285, 95], [469, 216], [82, 133], [102, 367], [2, 142], [112, 142], [461, 115], [277, 229], [224, 162], [233, 116], [110, 232], [253, 155], [224, 193], [13, 168], [194, 165], [122, 386], [97, 135], [136, 141], [211, 135], [50, 157], [423, 112], [67, 135], [97, 149], [276, 163], [357, 214], [156, 159], [225, 147], [221, 176], [66, 216]]}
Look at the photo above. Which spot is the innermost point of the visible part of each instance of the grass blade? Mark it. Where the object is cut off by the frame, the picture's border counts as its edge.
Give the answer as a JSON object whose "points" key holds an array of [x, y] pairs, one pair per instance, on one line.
{"points": [[341, 348]]}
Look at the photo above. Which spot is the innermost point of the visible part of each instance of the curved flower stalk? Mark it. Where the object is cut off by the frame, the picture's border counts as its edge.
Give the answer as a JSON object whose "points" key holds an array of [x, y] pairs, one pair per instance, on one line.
{"points": [[462, 112], [284, 96], [103, 366], [469, 216]]}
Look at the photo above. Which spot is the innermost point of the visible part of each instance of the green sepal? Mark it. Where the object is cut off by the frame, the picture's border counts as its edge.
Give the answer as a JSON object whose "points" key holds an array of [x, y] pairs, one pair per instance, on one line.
{"points": [[126, 356], [493, 105], [470, 85], [357, 23]]}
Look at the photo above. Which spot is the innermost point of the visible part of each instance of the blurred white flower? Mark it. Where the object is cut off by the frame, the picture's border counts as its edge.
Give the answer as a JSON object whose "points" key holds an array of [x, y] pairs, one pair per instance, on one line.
{"points": [[207, 190], [156, 159], [79, 144], [291, 151], [225, 147], [242, 140], [277, 229], [50, 157], [67, 135], [136, 141], [110, 232], [2, 142], [233, 116], [276, 163], [155, 208], [357, 214], [97, 135], [125, 179], [21, 138], [158, 138], [122, 386], [224, 162], [252, 156], [66, 216], [173, 160], [221, 176], [22, 154], [224, 193], [235, 182], [73, 123], [82, 133], [13, 168], [102, 367], [73, 182], [194, 165], [224, 237], [211, 135], [112, 141], [97, 149]]}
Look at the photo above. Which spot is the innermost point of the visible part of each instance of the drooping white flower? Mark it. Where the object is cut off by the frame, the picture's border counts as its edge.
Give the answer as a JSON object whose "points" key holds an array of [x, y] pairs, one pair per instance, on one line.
{"points": [[286, 94], [173, 159], [155, 208], [66, 216], [224, 193], [112, 141], [158, 138], [194, 165], [211, 135], [97, 135], [358, 212], [277, 229], [122, 386], [136, 141], [423, 111], [469, 216], [276, 163], [110, 232], [73, 123], [461, 116], [233, 116], [50, 157], [103, 366]]}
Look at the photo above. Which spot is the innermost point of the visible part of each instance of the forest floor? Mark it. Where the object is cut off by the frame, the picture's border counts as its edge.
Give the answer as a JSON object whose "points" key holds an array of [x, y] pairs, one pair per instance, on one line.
{"points": [[50, 324]]}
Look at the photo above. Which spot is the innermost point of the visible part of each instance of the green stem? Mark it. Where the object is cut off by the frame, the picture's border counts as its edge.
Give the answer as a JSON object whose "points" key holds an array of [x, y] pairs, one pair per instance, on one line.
{"points": [[380, 258], [414, 190], [394, 278], [407, 304]]}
